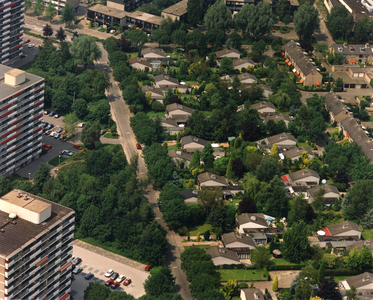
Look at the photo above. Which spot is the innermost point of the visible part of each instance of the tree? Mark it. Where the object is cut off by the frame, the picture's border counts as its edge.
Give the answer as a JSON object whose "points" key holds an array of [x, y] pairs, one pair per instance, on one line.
{"points": [[96, 291], [226, 66], [234, 40], [195, 12], [208, 156], [351, 294], [296, 247], [125, 45], [160, 281], [274, 151], [238, 167], [367, 219], [38, 8], [85, 50], [137, 37], [275, 284], [51, 11], [47, 30], [282, 9], [336, 207], [197, 215], [61, 101], [91, 135], [121, 71], [117, 57], [360, 199], [321, 272], [60, 34], [340, 22], [179, 37], [206, 235], [247, 205], [219, 16], [81, 108], [362, 30], [215, 37], [267, 169], [328, 289], [28, 4], [67, 14], [218, 217], [259, 47], [195, 162], [316, 128], [318, 200], [366, 258], [306, 21], [71, 121], [210, 197], [202, 283], [260, 256], [229, 168], [160, 36], [41, 176]]}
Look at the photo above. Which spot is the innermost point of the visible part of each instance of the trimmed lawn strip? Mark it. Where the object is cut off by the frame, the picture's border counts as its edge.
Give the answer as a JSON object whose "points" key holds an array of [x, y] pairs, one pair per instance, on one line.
{"points": [[367, 234], [193, 231], [199, 246], [55, 161], [152, 114], [242, 275], [111, 136]]}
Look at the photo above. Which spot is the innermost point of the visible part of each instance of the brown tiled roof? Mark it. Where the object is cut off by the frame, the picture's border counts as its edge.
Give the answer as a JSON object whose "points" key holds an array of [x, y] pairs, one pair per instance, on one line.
{"points": [[253, 294], [193, 139], [147, 88], [327, 187], [280, 137], [177, 9], [153, 50], [169, 121], [176, 106], [297, 152], [360, 280], [257, 218], [343, 227], [165, 77], [180, 154], [241, 61], [334, 105], [297, 175], [232, 237], [222, 252], [209, 176], [273, 116], [360, 244], [226, 51], [246, 76], [261, 105], [140, 61]]}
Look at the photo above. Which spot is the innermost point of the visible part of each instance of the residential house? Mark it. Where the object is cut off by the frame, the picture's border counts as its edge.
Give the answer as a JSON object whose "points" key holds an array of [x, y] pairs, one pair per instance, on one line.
{"points": [[249, 221], [192, 143], [228, 52], [153, 53], [354, 53], [236, 6], [171, 126], [331, 194], [328, 241], [240, 63], [144, 21], [190, 196], [247, 78], [358, 10], [297, 189], [265, 117], [296, 153], [180, 157], [295, 57], [104, 15], [211, 180], [263, 107], [359, 245], [282, 140], [360, 282], [353, 131], [177, 11], [337, 110], [353, 77], [139, 63], [162, 80], [345, 228], [253, 294], [267, 91], [308, 176], [263, 236], [155, 93], [126, 5], [231, 190], [179, 112], [223, 256], [239, 243]]}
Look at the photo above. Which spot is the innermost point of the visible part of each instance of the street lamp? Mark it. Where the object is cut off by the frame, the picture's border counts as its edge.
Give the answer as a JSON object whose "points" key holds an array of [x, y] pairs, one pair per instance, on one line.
{"points": [[59, 159], [29, 176]]}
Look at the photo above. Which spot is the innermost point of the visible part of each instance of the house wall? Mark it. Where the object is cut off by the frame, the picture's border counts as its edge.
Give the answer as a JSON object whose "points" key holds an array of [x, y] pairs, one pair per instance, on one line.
{"points": [[173, 130], [267, 93], [224, 261], [311, 79], [366, 287], [164, 82], [153, 55], [245, 65], [248, 81], [139, 66], [250, 225], [192, 147], [232, 55], [350, 233], [212, 183], [331, 195], [239, 245], [178, 112], [173, 17]]}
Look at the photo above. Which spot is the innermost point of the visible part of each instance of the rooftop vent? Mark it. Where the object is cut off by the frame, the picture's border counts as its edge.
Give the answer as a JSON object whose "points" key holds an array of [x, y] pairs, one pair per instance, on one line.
{"points": [[367, 243], [178, 152], [195, 139], [345, 226], [253, 218], [367, 45], [222, 250], [12, 216], [180, 106], [345, 45], [26, 197], [305, 173], [213, 176], [366, 278], [195, 192], [239, 236], [166, 77], [19, 194], [256, 295]]}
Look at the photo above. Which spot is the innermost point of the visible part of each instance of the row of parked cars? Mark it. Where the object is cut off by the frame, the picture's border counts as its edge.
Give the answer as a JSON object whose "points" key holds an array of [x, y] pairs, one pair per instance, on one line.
{"points": [[115, 279], [52, 114], [47, 130]]}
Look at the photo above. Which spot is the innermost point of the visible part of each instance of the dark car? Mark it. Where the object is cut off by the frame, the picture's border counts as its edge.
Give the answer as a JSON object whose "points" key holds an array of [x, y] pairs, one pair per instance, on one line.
{"points": [[47, 132], [50, 126], [89, 276], [44, 124], [52, 113], [78, 147], [114, 276], [109, 282], [77, 261]]}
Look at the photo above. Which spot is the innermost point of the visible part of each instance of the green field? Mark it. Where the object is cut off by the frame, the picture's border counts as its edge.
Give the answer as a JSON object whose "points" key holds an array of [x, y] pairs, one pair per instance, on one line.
{"points": [[242, 275], [193, 231], [152, 114], [55, 161], [367, 234]]}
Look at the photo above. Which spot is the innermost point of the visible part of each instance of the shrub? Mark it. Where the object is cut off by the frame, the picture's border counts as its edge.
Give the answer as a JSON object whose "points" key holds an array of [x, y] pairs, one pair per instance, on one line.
{"points": [[198, 238], [341, 272], [143, 76], [243, 285], [266, 274], [286, 267], [147, 82], [183, 231], [284, 29], [157, 106]]}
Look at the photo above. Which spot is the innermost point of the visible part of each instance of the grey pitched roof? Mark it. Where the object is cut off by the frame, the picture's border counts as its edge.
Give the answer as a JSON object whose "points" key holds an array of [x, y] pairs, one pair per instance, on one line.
{"points": [[275, 117], [193, 139], [246, 76], [226, 51], [343, 227], [180, 154], [232, 237], [360, 280], [257, 218], [222, 252], [262, 104], [178, 9], [297, 152], [296, 54], [152, 89], [153, 50], [176, 106], [241, 61], [209, 176], [169, 121], [269, 230], [266, 87], [140, 61], [334, 105], [302, 174], [253, 294], [189, 193], [280, 137], [360, 244], [165, 77], [327, 187]]}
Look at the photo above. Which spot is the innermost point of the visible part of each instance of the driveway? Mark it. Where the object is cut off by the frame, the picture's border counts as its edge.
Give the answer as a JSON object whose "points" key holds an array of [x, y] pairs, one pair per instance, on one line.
{"points": [[99, 264]]}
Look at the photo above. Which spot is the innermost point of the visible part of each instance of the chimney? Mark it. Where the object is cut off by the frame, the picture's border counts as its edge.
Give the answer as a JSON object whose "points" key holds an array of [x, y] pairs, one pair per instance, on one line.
{"points": [[15, 77]]}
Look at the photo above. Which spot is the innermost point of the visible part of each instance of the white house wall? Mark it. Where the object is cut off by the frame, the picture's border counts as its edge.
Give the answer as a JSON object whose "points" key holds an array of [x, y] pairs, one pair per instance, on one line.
{"points": [[224, 261]]}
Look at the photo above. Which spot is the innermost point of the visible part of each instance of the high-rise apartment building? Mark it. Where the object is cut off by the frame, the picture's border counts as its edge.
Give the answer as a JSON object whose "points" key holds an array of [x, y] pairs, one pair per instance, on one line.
{"points": [[21, 114], [12, 21], [36, 244]]}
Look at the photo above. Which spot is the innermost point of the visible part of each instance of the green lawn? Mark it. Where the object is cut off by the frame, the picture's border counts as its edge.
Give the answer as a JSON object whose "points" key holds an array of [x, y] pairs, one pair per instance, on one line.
{"points": [[173, 147], [234, 202], [55, 161], [200, 246], [242, 275], [110, 136], [193, 231], [367, 234], [299, 144], [192, 83], [152, 114], [338, 278], [280, 261], [207, 112]]}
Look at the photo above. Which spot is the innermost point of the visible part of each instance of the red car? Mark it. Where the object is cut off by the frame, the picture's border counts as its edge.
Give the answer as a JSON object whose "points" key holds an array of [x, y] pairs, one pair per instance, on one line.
{"points": [[78, 147], [138, 146], [273, 30], [26, 41], [109, 282], [127, 281], [148, 267], [115, 285], [43, 146], [48, 147]]}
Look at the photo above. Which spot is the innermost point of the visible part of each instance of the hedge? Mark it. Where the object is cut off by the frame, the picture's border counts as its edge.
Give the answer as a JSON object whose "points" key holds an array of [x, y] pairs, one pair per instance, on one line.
{"points": [[286, 267], [337, 89], [233, 266], [265, 270], [341, 272]]}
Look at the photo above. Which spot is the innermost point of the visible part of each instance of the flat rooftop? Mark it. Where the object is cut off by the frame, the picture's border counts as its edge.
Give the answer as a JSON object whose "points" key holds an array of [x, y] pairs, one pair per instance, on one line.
{"points": [[7, 90], [20, 233], [139, 15], [347, 79], [359, 9], [109, 11], [177, 9]]}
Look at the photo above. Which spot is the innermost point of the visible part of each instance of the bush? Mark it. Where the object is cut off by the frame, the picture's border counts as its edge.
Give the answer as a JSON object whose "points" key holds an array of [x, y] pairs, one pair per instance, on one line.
{"points": [[266, 274], [284, 29], [143, 76], [183, 231], [243, 285], [157, 106], [147, 82], [337, 89], [341, 272], [286, 267]]}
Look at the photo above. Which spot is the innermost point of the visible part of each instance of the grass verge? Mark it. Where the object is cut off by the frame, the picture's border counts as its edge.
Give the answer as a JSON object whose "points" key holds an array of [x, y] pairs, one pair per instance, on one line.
{"points": [[200, 246], [193, 231], [110, 135], [367, 234], [57, 160], [242, 275]]}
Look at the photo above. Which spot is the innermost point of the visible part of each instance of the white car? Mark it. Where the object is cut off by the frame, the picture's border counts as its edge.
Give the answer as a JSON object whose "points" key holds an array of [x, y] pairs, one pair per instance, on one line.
{"points": [[81, 125], [56, 116], [67, 152], [30, 46], [120, 278], [112, 31], [53, 133], [109, 273]]}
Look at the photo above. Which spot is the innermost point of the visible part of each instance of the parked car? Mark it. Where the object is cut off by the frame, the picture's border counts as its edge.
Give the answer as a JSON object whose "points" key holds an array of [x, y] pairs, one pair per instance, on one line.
{"points": [[120, 278], [112, 31], [52, 113], [127, 281], [44, 124], [66, 152], [30, 46], [47, 132], [49, 147], [78, 147], [273, 30], [53, 133], [109, 273], [114, 275], [115, 285], [138, 146], [27, 41], [50, 126], [77, 261], [89, 276], [59, 130], [148, 267], [102, 132], [57, 135], [109, 282], [77, 270], [56, 116], [46, 112]]}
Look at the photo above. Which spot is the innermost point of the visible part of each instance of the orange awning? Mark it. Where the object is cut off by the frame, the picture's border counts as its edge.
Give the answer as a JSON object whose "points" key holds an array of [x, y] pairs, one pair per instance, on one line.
{"points": [[40, 262], [352, 60], [65, 266], [317, 83], [289, 63], [301, 81], [64, 297], [282, 53], [286, 60]]}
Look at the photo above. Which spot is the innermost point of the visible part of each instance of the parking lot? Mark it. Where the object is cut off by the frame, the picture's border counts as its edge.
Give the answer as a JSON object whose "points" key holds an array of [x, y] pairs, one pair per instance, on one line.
{"points": [[99, 265]]}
